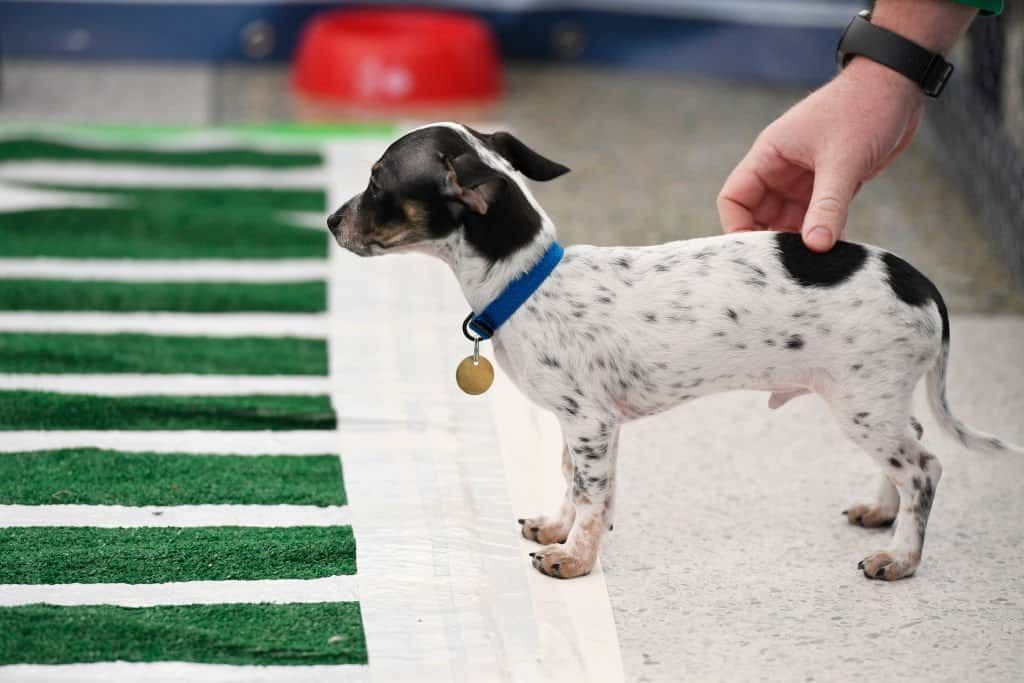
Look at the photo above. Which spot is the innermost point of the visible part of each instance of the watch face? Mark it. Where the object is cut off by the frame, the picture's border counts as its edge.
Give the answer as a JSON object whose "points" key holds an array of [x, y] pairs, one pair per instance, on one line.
{"points": [[840, 55]]}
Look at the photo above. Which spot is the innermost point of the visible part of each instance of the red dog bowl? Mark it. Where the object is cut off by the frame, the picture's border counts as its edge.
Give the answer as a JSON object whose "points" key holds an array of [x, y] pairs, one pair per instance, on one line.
{"points": [[397, 57]]}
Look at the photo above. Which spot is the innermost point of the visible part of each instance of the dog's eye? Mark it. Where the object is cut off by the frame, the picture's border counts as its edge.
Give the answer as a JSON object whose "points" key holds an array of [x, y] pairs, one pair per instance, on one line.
{"points": [[374, 187]]}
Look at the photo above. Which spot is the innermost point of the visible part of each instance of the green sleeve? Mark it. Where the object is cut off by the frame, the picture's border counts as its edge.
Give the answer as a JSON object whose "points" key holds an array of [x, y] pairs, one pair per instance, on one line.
{"points": [[986, 6]]}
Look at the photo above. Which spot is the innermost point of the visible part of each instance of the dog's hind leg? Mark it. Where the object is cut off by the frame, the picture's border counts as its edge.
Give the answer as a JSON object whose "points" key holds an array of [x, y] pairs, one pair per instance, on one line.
{"points": [[881, 428], [881, 512], [554, 529], [591, 444]]}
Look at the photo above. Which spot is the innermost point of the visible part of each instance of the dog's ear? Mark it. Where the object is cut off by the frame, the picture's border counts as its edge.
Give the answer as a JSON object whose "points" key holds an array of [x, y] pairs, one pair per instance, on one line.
{"points": [[523, 159], [471, 182]]}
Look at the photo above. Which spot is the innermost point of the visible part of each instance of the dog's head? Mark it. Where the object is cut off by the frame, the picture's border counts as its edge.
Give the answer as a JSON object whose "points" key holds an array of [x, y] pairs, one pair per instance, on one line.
{"points": [[443, 178]]}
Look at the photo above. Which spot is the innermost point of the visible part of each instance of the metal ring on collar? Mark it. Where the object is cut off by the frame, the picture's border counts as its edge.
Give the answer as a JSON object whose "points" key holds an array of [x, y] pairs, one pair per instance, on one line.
{"points": [[470, 337]]}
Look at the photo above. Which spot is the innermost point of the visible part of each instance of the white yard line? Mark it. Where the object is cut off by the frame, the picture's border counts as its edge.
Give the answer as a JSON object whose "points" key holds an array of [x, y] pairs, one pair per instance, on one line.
{"points": [[200, 324], [113, 516], [212, 140], [88, 173], [18, 198], [576, 615], [127, 270], [176, 672], [198, 442], [328, 589], [167, 385]]}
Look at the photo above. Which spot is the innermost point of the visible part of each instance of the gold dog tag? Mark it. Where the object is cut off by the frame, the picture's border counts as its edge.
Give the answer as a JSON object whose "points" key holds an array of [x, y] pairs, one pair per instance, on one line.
{"points": [[474, 375]]}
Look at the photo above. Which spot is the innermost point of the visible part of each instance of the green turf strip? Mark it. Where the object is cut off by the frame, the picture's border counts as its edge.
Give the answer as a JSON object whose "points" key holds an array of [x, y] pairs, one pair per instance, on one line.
{"points": [[27, 410], [192, 297], [90, 476], [67, 554], [260, 634], [174, 230], [36, 149], [161, 554], [49, 353]]}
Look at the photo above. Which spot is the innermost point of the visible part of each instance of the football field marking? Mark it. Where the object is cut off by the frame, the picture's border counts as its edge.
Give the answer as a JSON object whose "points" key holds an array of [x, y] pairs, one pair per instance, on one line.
{"points": [[176, 672], [168, 385], [307, 442], [117, 516], [328, 589], [200, 324], [145, 175], [127, 270]]}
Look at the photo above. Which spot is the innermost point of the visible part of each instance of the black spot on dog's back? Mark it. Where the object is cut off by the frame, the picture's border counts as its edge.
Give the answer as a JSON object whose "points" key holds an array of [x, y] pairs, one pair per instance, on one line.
{"points": [[811, 269], [913, 288]]}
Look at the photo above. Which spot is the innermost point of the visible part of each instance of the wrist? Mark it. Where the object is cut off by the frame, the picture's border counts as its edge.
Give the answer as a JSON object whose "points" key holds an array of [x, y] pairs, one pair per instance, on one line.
{"points": [[874, 76], [935, 25]]}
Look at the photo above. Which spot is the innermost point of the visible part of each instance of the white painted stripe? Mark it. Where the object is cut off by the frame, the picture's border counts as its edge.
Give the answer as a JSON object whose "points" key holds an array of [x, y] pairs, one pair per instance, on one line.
{"points": [[143, 175], [197, 140], [113, 516], [125, 270], [327, 589], [201, 324], [167, 385], [309, 220], [530, 442], [199, 442], [176, 672], [17, 198]]}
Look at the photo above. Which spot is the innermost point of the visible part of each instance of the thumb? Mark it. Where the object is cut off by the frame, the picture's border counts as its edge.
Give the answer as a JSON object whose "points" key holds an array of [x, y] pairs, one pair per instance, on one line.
{"points": [[825, 219]]}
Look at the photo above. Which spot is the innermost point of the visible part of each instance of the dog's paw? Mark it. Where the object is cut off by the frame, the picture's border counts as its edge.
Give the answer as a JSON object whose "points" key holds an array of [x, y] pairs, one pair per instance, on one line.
{"points": [[870, 516], [888, 565], [557, 561], [545, 530]]}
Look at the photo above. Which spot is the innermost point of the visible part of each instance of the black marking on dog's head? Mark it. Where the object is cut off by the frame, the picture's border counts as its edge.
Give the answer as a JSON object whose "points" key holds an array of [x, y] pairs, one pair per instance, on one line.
{"points": [[795, 342], [812, 269], [434, 181]]}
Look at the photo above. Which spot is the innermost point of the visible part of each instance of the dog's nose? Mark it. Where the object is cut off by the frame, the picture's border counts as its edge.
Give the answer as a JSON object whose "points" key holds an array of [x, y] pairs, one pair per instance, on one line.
{"points": [[334, 219]]}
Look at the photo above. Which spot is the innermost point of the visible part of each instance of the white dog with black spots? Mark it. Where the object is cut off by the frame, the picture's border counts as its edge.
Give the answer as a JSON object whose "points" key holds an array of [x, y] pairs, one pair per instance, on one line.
{"points": [[614, 334]]}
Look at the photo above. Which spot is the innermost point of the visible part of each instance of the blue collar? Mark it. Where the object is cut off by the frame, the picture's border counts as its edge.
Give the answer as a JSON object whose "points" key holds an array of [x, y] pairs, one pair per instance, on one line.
{"points": [[485, 324]]}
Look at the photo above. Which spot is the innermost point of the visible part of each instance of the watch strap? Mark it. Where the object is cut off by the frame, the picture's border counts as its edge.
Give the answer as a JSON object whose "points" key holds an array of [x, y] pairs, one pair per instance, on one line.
{"points": [[928, 69]]}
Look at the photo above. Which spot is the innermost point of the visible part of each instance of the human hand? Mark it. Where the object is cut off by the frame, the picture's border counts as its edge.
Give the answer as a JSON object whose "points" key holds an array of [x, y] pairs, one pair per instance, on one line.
{"points": [[806, 167]]}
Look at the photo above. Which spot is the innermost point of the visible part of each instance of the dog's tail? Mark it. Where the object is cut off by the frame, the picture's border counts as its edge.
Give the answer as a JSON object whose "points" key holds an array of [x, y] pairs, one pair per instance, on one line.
{"points": [[970, 438]]}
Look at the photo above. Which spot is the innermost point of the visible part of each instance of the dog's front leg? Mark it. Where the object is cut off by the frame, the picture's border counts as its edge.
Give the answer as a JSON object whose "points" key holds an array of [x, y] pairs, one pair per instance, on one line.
{"points": [[554, 529], [590, 444]]}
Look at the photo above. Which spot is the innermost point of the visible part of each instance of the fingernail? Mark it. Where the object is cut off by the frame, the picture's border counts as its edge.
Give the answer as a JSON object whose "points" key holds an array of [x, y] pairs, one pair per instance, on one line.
{"points": [[819, 238]]}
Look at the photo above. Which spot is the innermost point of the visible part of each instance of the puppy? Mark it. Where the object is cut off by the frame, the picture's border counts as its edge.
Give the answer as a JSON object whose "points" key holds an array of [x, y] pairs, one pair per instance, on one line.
{"points": [[614, 334]]}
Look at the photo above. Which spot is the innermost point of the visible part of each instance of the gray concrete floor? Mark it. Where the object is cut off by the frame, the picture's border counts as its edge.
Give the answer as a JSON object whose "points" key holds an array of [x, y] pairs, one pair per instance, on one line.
{"points": [[730, 560]]}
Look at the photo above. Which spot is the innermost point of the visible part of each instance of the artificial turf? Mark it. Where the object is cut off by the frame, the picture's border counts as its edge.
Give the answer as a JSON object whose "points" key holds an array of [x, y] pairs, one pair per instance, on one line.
{"points": [[34, 149], [282, 634], [62, 554], [32, 410], [191, 297], [90, 476], [50, 353], [173, 231]]}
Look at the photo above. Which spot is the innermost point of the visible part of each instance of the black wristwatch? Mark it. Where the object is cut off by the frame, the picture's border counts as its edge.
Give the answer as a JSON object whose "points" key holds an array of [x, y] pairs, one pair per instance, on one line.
{"points": [[928, 69]]}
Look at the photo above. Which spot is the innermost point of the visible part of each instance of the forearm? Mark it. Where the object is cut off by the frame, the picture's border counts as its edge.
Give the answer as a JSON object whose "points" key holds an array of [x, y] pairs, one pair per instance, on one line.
{"points": [[933, 24]]}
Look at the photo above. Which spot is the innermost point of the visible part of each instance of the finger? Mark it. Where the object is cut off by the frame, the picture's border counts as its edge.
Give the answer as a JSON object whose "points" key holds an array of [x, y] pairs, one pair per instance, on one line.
{"points": [[834, 187], [745, 188], [738, 199]]}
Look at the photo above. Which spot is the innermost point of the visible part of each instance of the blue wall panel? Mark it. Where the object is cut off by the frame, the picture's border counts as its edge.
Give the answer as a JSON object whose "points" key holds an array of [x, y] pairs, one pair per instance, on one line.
{"points": [[731, 47]]}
